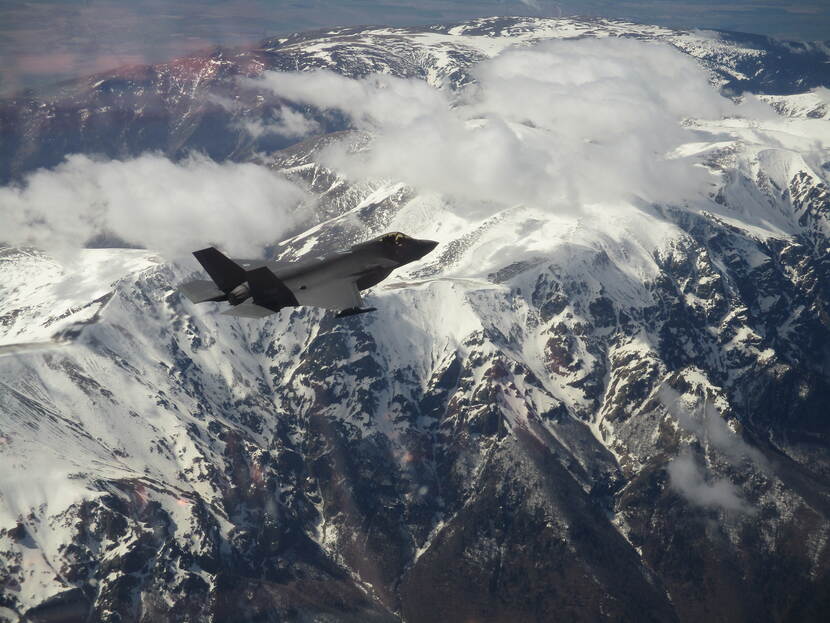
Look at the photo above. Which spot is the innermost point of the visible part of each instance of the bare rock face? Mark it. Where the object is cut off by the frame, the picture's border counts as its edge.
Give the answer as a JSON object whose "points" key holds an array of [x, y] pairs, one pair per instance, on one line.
{"points": [[559, 438]]}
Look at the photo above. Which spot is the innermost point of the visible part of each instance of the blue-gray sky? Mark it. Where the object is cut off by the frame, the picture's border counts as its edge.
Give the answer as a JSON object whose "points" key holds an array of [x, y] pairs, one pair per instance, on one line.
{"points": [[43, 41]]}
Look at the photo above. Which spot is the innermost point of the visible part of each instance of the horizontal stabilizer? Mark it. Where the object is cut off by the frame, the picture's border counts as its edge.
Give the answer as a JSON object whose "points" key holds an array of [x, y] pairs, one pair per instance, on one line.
{"points": [[248, 310], [202, 290], [354, 311]]}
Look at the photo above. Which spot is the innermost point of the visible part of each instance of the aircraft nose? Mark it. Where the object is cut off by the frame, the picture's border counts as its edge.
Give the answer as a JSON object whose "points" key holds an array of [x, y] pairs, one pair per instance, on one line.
{"points": [[425, 246]]}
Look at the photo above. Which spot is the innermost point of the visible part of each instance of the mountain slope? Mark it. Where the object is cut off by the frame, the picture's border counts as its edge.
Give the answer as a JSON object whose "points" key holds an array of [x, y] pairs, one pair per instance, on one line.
{"points": [[617, 412]]}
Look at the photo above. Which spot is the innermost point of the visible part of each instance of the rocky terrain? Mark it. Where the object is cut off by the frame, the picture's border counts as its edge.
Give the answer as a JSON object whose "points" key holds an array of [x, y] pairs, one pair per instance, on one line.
{"points": [[601, 415]]}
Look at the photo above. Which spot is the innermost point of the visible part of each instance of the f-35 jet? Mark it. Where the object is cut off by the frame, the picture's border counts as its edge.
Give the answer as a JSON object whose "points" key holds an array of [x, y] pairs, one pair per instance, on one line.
{"points": [[257, 288]]}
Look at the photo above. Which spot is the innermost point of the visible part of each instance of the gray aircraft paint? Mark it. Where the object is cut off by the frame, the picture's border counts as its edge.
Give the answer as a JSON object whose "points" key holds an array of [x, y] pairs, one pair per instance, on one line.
{"points": [[332, 282]]}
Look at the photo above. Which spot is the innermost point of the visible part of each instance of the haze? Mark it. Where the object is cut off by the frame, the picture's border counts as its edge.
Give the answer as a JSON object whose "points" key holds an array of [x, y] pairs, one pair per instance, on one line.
{"points": [[45, 41]]}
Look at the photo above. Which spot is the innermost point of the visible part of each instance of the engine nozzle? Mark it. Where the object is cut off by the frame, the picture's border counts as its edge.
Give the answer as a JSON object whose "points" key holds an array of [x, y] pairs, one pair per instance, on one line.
{"points": [[239, 294]]}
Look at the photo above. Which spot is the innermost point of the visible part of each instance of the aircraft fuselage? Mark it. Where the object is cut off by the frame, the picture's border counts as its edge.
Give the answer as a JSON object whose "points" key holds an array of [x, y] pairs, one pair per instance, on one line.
{"points": [[259, 287]]}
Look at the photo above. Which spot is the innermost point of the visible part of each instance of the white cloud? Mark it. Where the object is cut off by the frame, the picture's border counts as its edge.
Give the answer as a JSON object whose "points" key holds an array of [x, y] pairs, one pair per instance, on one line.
{"points": [[688, 479], [703, 420], [377, 102], [560, 125], [286, 122], [151, 202]]}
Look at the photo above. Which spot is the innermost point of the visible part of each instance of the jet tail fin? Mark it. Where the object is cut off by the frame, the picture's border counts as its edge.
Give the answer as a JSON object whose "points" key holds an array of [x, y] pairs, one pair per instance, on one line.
{"points": [[225, 273], [268, 290]]}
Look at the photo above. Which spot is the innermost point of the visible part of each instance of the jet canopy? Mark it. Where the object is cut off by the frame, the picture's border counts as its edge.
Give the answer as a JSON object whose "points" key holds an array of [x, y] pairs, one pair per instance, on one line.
{"points": [[386, 243], [394, 237], [397, 247]]}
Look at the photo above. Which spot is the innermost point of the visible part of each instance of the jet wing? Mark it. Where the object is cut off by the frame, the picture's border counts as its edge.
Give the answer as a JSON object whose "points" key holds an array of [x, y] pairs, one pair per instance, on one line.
{"points": [[248, 310], [335, 294]]}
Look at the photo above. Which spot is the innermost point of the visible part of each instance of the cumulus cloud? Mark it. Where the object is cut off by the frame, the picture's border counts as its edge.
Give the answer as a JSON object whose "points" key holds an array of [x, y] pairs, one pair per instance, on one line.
{"points": [[151, 202], [560, 125], [687, 478]]}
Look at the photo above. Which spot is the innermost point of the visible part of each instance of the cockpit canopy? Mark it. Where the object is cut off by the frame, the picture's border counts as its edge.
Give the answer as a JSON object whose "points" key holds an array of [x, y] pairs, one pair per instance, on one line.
{"points": [[394, 237], [397, 246]]}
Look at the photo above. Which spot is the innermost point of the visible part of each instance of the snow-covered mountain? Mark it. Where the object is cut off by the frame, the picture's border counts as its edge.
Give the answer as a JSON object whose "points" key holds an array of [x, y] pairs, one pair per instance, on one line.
{"points": [[615, 412], [197, 103]]}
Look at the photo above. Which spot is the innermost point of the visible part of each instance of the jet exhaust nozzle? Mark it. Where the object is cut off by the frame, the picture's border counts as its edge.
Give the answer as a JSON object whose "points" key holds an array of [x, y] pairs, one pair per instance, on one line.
{"points": [[239, 294]]}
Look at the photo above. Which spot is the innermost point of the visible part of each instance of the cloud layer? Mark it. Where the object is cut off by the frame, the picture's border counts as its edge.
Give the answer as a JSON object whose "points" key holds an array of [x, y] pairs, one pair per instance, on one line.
{"points": [[151, 202], [560, 125]]}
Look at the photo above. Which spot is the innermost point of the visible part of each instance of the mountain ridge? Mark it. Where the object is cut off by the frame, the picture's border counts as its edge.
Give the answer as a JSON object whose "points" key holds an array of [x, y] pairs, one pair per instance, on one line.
{"points": [[177, 107]]}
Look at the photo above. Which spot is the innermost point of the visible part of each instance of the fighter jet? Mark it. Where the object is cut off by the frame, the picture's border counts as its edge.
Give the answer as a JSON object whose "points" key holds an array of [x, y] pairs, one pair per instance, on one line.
{"points": [[258, 288]]}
